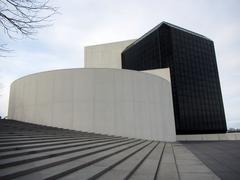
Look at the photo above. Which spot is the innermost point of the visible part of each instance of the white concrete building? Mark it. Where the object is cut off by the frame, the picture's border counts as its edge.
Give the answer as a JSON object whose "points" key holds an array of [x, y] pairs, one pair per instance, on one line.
{"points": [[108, 55], [105, 55], [108, 101], [102, 98]]}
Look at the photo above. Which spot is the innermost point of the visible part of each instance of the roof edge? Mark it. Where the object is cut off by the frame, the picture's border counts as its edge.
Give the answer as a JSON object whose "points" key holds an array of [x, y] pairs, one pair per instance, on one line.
{"points": [[168, 24]]}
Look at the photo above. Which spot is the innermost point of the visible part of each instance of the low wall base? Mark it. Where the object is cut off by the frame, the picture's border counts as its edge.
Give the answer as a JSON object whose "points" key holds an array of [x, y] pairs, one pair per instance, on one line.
{"points": [[209, 137]]}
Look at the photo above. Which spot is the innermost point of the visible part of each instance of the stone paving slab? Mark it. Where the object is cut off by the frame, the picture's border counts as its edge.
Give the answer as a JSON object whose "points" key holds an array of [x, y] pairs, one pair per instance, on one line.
{"points": [[222, 157], [119, 158]]}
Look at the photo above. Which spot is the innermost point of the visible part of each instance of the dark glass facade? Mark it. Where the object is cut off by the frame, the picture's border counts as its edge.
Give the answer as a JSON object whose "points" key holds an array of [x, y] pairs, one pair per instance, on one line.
{"points": [[197, 98]]}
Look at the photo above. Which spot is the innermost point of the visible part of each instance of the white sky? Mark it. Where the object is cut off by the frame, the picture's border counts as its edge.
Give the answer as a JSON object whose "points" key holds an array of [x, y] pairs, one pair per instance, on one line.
{"points": [[88, 22]]}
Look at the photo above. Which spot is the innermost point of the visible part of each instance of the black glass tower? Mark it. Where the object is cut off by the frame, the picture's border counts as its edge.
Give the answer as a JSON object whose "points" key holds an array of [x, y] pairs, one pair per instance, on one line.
{"points": [[197, 98]]}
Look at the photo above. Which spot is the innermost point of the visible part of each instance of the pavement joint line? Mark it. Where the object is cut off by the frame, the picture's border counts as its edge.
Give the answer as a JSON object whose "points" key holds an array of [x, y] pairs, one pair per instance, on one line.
{"points": [[36, 142], [24, 161], [74, 144], [97, 175], [56, 163], [43, 145], [33, 139], [175, 160], [44, 141], [67, 172], [140, 163], [159, 162]]}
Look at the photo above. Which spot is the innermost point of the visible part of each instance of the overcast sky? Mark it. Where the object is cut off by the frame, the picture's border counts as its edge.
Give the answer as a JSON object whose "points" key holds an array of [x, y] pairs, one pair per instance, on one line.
{"points": [[88, 22]]}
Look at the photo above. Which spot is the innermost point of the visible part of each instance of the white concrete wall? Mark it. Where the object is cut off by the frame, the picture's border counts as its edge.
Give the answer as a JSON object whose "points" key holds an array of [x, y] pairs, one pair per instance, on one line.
{"points": [[105, 55], [163, 73], [108, 101]]}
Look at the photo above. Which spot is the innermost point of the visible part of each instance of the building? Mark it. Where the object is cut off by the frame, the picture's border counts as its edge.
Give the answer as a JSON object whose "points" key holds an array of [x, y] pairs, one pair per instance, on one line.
{"points": [[114, 119], [97, 100], [105, 55], [197, 98], [163, 83]]}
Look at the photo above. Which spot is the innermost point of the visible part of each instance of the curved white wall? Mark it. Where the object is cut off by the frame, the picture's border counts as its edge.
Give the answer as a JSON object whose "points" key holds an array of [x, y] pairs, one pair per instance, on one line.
{"points": [[108, 101]]}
